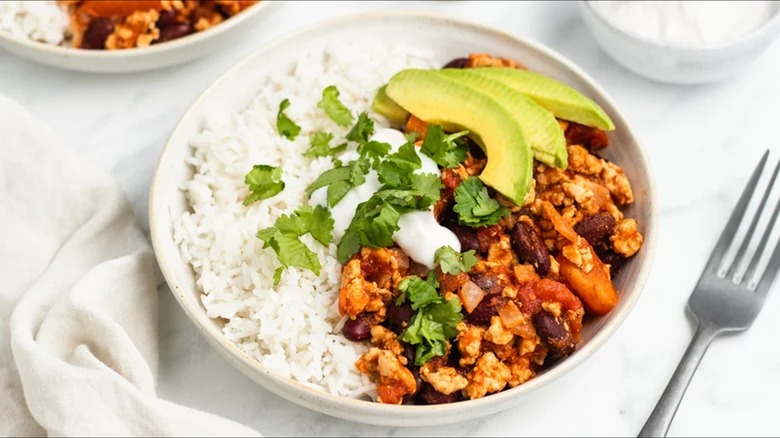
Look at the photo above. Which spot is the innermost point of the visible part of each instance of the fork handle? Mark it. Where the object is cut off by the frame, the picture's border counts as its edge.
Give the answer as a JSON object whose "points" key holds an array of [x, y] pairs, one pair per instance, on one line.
{"points": [[661, 418]]}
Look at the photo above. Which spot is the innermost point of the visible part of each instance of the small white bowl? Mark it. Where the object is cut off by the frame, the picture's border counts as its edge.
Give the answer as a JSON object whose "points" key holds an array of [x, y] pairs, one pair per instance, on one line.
{"points": [[677, 64], [153, 57], [446, 39]]}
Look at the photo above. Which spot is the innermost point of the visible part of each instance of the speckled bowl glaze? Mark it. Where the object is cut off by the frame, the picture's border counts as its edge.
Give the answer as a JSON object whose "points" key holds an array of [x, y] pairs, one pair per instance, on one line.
{"points": [[676, 64], [153, 57], [447, 39]]}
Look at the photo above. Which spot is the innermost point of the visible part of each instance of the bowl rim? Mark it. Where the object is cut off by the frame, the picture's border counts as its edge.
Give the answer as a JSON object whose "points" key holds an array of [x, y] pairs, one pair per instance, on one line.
{"points": [[137, 52], [340, 403], [772, 24]]}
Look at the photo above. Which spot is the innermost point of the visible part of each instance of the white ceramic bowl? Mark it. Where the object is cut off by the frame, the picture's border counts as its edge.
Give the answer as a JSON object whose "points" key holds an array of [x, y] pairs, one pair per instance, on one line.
{"points": [[676, 64], [447, 38], [143, 58]]}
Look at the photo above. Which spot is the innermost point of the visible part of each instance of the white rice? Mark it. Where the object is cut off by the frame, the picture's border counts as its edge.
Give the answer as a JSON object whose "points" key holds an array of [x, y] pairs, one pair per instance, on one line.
{"points": [[293, 328], [43, 21]]}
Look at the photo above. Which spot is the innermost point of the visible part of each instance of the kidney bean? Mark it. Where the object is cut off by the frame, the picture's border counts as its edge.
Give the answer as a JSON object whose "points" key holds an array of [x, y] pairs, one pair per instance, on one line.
{"points": [[486, 309], [595, 228], [560, 341], [96, 34], [398, 317], [434, 397], [409, 351], [357, 329], [167, 18], [547, 327], [467, 237], [613, 259], [488, 283], [174, 31], [457, 63], [530, 247]]}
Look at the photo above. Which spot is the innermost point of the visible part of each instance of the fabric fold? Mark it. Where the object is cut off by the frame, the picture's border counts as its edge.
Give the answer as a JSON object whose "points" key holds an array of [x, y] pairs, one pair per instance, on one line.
{"points": [[78, 299]]}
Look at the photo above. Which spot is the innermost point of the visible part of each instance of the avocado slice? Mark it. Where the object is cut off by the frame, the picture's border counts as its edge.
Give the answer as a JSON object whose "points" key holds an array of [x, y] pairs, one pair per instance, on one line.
{"points": [[385, 106], [435, 98], [565, 102], [539, 125]]}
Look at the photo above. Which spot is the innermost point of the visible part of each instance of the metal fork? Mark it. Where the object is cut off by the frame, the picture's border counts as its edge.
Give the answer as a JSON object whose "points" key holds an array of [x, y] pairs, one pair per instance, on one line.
{"points": [[723, 300]]}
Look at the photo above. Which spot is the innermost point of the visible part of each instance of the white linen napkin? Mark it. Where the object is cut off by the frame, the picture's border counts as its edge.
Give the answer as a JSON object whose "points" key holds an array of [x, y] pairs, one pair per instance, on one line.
{"points": [[78, 299]]}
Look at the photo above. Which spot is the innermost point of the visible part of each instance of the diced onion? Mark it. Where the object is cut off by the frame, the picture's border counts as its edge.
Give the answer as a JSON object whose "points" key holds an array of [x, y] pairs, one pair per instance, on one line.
{"points": [[510, 315], [471, 295]]}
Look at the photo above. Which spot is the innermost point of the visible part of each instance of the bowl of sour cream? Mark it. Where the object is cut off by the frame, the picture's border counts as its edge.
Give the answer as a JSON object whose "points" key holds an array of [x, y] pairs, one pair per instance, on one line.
{"points": [[683, 42]]}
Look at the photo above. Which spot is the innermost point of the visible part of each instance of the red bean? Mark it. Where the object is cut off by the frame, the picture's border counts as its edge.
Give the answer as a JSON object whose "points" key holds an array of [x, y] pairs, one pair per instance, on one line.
{"points": [[398, 317], [434, 397], [96, 34], [486, 309], [174, 31], [167, 18], [457, 63], [357, 329], [467, 237], [613, 259], [595, 228], [530, 247]]}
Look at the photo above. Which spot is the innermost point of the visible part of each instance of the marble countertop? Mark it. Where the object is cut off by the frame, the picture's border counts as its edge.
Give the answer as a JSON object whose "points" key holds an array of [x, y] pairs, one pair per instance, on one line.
{"points": [[702, 141]]}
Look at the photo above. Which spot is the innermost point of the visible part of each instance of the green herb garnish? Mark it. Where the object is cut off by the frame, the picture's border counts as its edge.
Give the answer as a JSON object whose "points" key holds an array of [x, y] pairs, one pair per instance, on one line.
{"points": [[333, 107], [445, 150], [453, 262], [435, 321], [284, 238], [397, 170], [363, 129], [264, 181], [475, 207], [284, 125], [341, 180], [319, 146]]}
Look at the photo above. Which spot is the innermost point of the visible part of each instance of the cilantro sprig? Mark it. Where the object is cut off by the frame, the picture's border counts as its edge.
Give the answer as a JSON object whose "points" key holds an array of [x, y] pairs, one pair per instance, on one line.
{"points": [[435, 321], [333, 107], [475, 207], [453, 262], [376, 220], [341, 179], [319, 146], [264, 181], [284, 124], [284, 238], [446, 150]]}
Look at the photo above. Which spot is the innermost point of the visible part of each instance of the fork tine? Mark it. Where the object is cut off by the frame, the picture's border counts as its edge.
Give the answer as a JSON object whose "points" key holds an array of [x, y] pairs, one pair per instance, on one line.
{"points": [[774, 262], [736, 217], [771, 272], [749, 235]]}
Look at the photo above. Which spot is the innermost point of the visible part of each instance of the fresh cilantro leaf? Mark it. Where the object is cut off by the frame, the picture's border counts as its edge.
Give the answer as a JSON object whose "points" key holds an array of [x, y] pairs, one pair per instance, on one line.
{"points": [[475, 207], [445, 150], [397, 170], [373, 224], [419, 292], [318, 222], [284, 238], [429, 350], [363, 129], [319, 146], [373, 150], [448, 314], [348, 246], [341, 180], [289, 250], [412, 136], [453, 262], [333, 107], [264, 181], [284, 125]]}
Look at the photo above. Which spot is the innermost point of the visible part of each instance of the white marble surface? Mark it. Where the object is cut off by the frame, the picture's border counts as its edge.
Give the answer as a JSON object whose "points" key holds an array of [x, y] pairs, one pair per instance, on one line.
{"points": [[702, 141]]}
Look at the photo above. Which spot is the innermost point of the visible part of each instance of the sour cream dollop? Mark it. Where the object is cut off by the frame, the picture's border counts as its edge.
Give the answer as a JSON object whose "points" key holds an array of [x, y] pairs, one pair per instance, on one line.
{"points": [[419, 234]]}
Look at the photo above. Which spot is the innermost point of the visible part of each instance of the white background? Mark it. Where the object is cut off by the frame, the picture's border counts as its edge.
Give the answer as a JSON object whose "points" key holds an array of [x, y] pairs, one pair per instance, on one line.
{"points": [[703, 142]]}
